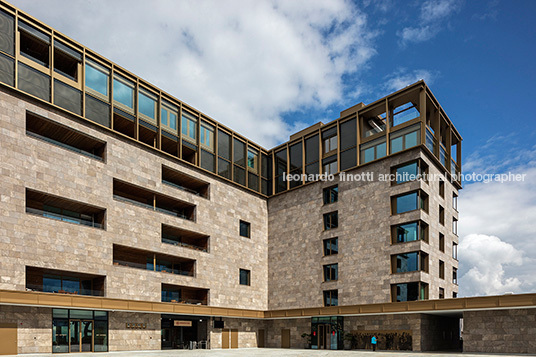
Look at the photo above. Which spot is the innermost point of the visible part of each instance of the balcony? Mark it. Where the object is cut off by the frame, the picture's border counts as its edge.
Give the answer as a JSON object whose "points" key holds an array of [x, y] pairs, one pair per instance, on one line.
{"points": [[185, 182], [142, 197], [184, 295], [146, 260], [64, 282], [184, 238]]}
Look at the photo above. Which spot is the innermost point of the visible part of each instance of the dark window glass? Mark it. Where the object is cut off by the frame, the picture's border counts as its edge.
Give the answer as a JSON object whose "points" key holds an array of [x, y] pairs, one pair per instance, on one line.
{"points": [[311, 149], [7, 68], [331, 220], [245, 229], [253, 181], [7, 33], [331, 194], [407, 202], [407, 262], [245, 277], [224, 168], [34, 82], [296, 156], [281, 185], [224, 145], [97, 111], [60, 335], [348, 134], [407, 292], [281, 162], [67, 97], [34, 44], [331, 272], [207, 160], [312, 169], [239, 175], [348, 159], [266, 187], [331, 246], [239, 153], [331, 298], [266, 166]]}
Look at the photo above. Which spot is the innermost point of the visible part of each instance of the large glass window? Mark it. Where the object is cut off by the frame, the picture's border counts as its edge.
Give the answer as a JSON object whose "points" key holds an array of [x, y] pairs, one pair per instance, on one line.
{"points": [[206, 137], [409, 202], [147, 105], [373, 150], [331, 220], [224, 145], [405, 138], [123, 92], [407, 292], [407, 262], [409, 232], [404, 113], [34, 44], [408, 172], [329, 140], [239, 151], [189, 127], [97, 78], [331, 272], [253, 160], [66, 60], [168, 116], [245, 229], [330, 165]]}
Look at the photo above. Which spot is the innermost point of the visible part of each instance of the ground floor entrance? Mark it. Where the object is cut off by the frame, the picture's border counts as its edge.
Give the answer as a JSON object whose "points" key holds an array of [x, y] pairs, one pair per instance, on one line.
{"points": [[184, 332], [79, 331], [327, 333]]}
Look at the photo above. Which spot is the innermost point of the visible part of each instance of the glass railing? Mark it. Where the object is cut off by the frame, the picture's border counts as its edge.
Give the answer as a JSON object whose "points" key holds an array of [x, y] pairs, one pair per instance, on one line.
{"points": [[131, 264], [430, 141], [181, 187], [149, 266], [65, 146], [442, 155], [373, 131], [186, 301], [64, 218], [182, 244], [85, 292], [454, 169], [151, 207]]}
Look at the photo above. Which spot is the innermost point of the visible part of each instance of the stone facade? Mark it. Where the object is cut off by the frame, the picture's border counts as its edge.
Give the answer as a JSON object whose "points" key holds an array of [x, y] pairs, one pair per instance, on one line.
{"points": [[30, 240], [500, 331], [34, 327], [364, 235], [122, 338]]}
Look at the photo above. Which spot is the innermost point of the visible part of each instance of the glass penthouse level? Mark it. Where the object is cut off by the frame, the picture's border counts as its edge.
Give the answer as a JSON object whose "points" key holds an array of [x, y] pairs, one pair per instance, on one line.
{"points": [[43, 63]]}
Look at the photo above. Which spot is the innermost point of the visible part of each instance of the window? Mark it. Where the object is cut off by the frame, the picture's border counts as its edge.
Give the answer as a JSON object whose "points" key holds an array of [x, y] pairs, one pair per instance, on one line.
{"points": [[406, 173], [253, 160], [124, 93], [441, 269], [454, 201], [66, 60], [312, 155], [280, 170], [331, 298], [329, 165], [245, 276], [441, 293], [189, 126], [454, 295], [441, 215], [331, 272], [331, 246], [409, 292], [97, 79], [64, 282], [455, 250], [405, 138], [441, 242], [147, 105], [296, 163], [373, 150], [442, 188], [168, 116], [454, 276], [454, 225], [34, 44], [331, 220], [245, 229], [409, 202], [329, 140], [408, 262], [331, 194], [409, 232], [404, 113], [348, 144], [206, 135]]}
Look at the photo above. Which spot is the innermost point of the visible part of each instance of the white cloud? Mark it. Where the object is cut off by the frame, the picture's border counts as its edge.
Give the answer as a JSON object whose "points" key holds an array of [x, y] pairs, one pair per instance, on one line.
{"points": [[497, 222], [402, 78], [432, 15], [244, 63]]}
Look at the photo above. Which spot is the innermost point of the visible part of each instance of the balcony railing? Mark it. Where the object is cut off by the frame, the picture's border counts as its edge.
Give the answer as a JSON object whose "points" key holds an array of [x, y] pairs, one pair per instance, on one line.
{"points": [[431, 142], [182, 244], [85, 292], [64, 218], [151, 207], [186, 301]]}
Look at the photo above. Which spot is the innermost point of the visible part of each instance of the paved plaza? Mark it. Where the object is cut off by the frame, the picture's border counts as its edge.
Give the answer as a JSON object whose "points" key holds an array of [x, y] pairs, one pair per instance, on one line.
{"points": [[265, 352]]}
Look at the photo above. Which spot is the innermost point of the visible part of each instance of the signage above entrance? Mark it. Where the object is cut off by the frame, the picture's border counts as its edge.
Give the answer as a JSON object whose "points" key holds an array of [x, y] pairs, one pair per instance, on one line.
{"points": [[182, 323]]}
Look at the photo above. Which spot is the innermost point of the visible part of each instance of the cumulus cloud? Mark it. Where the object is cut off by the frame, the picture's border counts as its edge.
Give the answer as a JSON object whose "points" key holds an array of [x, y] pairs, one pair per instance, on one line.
{"points": [[403, 77], [432, 15], [497, 231], [244, 63]]}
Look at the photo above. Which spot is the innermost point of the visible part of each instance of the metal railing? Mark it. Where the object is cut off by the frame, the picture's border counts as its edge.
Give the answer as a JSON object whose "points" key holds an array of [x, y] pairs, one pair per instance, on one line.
{"points": [[151, 207], [64, 218], [63, 145]]}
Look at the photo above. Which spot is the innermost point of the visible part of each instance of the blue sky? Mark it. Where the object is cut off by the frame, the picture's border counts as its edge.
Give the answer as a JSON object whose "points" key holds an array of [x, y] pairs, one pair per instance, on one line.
{"points": [[269, 68]]}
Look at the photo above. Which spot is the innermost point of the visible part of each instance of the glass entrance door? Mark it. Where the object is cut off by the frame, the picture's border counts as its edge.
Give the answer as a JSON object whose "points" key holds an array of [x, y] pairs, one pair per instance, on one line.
{"points": [[81, 335], [324, 336]]}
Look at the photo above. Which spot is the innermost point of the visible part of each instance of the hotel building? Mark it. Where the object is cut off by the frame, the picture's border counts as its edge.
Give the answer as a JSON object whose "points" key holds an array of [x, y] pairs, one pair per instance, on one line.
{"points": [[132, 221]]}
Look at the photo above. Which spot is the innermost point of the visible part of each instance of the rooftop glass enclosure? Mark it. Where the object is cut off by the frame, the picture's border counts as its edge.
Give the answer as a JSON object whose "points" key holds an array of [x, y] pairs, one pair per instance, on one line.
{"points": [[50, 67]]}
